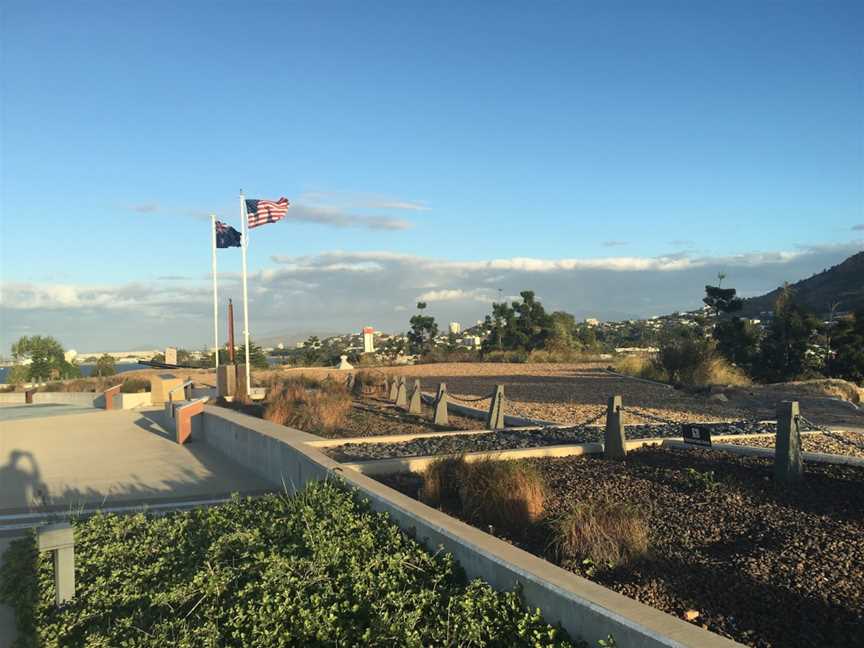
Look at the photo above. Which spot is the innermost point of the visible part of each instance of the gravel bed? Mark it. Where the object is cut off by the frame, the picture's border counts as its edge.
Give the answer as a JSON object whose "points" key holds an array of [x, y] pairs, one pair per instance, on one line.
{"points": [[517, 439], [817, 443], [762, 567]]}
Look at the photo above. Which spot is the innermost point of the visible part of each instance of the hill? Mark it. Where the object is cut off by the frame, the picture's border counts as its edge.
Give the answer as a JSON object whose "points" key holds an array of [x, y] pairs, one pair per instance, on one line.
{"points": [[842, 284]]}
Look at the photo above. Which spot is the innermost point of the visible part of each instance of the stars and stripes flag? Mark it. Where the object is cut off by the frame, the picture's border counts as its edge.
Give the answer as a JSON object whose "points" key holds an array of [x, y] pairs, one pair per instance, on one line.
{"points": [[261, 212], [227, 236]]}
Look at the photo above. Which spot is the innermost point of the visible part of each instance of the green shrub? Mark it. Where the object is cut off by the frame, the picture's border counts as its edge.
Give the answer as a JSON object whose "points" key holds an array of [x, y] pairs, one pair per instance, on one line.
{"points": [[518, 357], [317, 569], [134, 386]]}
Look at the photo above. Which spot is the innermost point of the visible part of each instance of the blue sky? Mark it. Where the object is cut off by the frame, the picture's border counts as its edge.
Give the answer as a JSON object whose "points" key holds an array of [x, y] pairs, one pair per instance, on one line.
{"points": [[546, 131]]}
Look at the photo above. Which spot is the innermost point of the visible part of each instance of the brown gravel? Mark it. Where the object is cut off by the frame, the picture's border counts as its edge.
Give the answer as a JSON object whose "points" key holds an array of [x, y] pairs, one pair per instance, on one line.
{"points": [[764, 568], [572, 392], [817, 443]]}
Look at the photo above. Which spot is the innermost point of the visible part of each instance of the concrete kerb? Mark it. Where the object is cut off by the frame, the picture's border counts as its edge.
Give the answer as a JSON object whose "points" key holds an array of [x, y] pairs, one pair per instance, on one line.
{"points": [[753, 451], [283, 457]]}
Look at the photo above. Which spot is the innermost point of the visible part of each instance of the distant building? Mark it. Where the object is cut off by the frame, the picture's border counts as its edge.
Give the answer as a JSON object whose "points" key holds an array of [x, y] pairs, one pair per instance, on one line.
{"points": [[368, 339], [455, 328], [590, 321], [70, 355]]}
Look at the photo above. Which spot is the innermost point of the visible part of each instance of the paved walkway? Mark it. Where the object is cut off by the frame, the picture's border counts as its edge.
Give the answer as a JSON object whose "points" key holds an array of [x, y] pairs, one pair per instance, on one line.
{"points": [[106, 458]]}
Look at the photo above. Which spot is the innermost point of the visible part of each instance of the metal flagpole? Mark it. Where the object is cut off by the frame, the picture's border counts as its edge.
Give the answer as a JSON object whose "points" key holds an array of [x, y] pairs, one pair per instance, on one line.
{"points": [[245, 225], [215, 291]]}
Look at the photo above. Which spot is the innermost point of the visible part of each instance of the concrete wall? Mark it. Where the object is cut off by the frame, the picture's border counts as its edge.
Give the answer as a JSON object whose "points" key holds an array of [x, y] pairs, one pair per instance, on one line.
{"points": [[131, 401], [12, 398], [85, 399], [281, 456]]}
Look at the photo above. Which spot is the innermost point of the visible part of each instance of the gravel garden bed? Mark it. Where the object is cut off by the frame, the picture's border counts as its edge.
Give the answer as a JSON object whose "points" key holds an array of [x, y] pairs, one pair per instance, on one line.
{"points": [[373, 418], [518, 439], [725, 548], [317, 569], [853, 447]]}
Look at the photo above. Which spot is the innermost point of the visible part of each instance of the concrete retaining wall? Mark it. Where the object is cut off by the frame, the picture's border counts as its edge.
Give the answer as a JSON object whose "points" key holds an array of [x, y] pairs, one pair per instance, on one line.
{"points": [[85, 399], [131, 401], [12, 398], [281, 456]]}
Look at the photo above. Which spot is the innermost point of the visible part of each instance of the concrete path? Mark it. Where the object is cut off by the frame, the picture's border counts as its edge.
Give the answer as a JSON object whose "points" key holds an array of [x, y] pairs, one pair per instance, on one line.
{"points": [[107, 458], [39, 410]]}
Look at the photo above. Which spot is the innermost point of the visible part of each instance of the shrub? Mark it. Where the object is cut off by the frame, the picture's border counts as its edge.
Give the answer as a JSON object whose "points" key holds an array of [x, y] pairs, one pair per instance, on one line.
{"points": [[320, 410], [601, 532], [135, 386], [506, 356], [641, 366], [507, 495], [369, 378], [319, 568]]}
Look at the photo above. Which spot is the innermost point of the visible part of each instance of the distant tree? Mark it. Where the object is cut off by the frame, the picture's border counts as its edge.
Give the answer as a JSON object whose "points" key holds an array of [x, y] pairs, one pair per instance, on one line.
{"points": [[784, 352], [257, 357], [521, 325], [393, 347], [158, 357], [46, 357], [421, 337], [562, 336], [18, 374], [104, 366], [722, 300], [847, 349], [738, 341]]}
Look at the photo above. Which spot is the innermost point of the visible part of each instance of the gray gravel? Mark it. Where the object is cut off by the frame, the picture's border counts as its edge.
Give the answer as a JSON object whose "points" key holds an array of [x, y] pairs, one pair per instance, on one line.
{"points": [[518, 439]]}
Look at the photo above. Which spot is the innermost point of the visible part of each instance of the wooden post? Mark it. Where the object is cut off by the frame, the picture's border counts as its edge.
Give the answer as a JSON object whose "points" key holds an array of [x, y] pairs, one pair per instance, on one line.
{"points": [[614, 446], [788, 468], [59, 539], [441, 405], [415, 406], [495, 417]]}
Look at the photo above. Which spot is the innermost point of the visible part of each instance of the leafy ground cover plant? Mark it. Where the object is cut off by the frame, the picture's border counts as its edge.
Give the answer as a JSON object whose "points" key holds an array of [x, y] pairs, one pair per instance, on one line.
{"points": [[315, 569]]}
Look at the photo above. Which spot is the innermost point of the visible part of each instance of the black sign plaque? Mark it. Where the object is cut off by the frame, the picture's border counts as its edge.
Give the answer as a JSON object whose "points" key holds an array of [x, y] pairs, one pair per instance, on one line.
{"points": [[696, 434]]}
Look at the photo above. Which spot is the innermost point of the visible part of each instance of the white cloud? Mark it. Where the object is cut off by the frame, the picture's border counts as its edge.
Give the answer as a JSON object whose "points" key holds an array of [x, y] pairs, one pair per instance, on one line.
{"points": [[339, 218], [343, 291], [455, 294]]}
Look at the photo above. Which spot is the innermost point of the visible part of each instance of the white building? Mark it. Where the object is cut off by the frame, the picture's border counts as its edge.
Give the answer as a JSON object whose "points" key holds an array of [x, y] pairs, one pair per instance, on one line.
{"points": [[591, 321], [368, 339], [455, 328], [70, 355]]}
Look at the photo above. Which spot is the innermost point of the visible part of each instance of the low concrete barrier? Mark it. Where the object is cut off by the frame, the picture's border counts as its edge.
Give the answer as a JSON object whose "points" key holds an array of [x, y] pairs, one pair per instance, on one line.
{"points": [[131, 401], [473, 412], [12, 398], [283, 457], [85, 399]]}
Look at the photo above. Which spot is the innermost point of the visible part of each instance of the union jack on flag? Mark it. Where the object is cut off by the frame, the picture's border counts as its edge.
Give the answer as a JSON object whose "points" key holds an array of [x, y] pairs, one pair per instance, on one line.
{"points": [[261, 212], [227, 236]]}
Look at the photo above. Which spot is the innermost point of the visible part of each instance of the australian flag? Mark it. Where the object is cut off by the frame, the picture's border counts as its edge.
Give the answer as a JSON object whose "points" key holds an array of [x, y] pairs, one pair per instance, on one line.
{"points": [[226, 236]]}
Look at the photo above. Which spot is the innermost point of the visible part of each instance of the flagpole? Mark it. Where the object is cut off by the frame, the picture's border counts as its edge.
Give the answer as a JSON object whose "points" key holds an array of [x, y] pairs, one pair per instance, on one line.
{"points": [[215, 291], [245, 227]]}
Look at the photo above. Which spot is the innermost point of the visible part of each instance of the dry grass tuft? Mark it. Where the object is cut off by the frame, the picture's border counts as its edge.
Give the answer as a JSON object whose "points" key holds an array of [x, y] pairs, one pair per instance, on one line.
{"points": [[370, 378], [719, 371], [320, 407], [507, 495], [441, 483], [641, 366], [601, 531]]}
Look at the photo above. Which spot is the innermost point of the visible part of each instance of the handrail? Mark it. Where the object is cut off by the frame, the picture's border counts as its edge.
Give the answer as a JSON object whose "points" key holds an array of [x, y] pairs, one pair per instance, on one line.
{"points": [[183, 387]]}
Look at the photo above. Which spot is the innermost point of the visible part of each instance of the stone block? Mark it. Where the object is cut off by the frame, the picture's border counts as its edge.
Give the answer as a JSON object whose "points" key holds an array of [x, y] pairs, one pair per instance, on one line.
{"points": [[226, 380], [161, 385]]}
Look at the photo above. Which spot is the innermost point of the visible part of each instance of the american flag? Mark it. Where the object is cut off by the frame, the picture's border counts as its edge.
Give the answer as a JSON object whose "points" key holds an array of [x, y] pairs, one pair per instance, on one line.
{"points": [[261, 212]]}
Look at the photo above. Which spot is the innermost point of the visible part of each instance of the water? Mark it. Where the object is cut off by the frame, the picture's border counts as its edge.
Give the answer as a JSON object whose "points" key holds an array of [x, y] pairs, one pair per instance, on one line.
{"points": [[86, 369]]}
